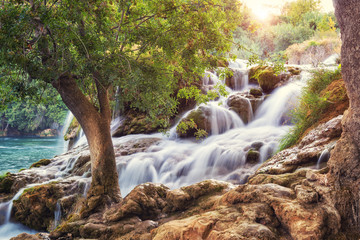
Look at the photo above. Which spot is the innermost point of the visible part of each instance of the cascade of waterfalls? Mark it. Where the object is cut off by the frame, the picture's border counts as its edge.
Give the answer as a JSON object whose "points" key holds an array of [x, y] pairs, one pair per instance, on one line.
{"points": [[175, 162]]}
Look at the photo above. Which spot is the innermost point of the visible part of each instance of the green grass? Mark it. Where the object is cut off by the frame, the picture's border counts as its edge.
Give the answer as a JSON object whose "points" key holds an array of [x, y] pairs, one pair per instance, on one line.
{"points": [[311, 106]]}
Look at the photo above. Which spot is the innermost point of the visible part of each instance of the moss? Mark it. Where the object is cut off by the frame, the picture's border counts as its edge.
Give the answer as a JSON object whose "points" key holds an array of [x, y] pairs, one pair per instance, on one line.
{"points": [[41, 162], [6, 182], [268, 80], [286, 180], [252, 156], [255, 92], [294, 71]]}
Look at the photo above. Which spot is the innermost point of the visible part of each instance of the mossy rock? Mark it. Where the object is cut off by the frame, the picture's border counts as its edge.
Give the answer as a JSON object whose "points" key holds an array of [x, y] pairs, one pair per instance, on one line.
{"points": [[6, 182], [135, 123], [294, 70], [268, 80], [35, 207], [256, 92], [41, 162], [201, 118], [286, 180], [252, 156], [252, 72]]}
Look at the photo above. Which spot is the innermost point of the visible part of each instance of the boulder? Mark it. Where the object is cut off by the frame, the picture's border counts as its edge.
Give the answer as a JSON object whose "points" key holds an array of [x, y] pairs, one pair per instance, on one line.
{"points": [[242, 106], [135, 123], [252, 156], [41, 162], [245, 105], [201, 117]]}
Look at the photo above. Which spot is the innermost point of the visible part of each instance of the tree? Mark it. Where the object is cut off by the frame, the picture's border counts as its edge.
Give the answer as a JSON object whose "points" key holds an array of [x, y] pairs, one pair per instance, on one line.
{"points": [[344, 165], [83, 48], [295, 11]]}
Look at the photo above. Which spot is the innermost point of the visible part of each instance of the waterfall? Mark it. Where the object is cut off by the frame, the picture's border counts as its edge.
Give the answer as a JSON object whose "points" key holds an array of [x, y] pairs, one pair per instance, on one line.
{"points": [[177, 162], [324, 157], [57, 214]]}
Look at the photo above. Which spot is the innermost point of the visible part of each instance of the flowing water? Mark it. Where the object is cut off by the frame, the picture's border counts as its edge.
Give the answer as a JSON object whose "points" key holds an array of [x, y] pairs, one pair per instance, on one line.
{"points": [[176, 162]]}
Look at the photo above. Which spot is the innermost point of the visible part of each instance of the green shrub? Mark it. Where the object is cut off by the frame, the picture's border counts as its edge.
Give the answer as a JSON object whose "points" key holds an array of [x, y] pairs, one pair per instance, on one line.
{"points": [[311, 106]]}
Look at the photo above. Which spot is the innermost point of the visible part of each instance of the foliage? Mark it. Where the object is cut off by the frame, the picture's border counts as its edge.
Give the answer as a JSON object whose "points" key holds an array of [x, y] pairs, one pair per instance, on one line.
{"points": [[185, 125], [311, 105], [143, 47], [34, 112], [286, 34], [294, 11]]}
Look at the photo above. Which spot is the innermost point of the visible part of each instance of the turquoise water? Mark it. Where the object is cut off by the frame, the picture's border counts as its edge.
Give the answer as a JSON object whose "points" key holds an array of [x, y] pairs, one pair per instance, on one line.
{"points": [[20, 152]]}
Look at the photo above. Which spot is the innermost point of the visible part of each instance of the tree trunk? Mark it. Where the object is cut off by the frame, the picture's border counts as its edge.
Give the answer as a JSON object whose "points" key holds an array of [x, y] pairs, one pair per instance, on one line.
{"points": [[104, 188], [344, 163]]}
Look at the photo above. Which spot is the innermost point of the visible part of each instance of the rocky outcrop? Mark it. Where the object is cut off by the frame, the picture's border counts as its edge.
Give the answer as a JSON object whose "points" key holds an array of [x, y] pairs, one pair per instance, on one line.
{"points": [[307, 152]]}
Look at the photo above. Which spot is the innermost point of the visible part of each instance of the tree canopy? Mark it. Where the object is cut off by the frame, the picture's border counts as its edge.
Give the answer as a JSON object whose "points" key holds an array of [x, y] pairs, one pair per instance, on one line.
{"points": [[84, 48]]}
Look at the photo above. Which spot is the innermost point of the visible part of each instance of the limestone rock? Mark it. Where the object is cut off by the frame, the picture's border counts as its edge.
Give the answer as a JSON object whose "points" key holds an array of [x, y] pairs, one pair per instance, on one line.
{"points": [[307, 151], [242, 106]]}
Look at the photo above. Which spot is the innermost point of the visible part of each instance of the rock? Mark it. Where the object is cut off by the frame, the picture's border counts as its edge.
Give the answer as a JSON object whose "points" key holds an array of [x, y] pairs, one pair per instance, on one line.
{"points": [[25, 236], [134, 123], [306, 194], [236, 80], [256, 92], [36, 206], [306, 152], [268, 80], [72, 133], [134, 146], [201, 117], [41, 162], [48, 133], [145, 201], [252, 156], [242, 106], [285, 180], [257, 145], [6, 183]]}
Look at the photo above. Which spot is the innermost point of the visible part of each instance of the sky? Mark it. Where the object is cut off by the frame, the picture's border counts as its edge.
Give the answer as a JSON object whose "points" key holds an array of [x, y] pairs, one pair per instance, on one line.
{"points": [[261, 8]]}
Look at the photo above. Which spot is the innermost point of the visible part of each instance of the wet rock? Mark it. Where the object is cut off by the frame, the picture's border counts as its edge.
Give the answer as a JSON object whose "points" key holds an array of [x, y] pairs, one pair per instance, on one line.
{"points": [[6, 183], [135, 123], [257, 145], [306, 152], [268, 80], [41, 162], [236, 80], [72, 133], [256, 92], [201, 117], [35, 207], [242, 106], [134, 146], [252, 156]]}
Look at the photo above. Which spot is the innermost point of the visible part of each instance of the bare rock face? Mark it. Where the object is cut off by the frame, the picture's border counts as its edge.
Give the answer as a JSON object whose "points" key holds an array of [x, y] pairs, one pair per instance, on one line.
{"points": [[307, 151]]}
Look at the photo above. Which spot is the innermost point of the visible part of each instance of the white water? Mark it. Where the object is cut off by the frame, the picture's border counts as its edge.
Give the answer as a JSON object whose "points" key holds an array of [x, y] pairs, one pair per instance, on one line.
{"points": [[177, 162], [57, 214]]}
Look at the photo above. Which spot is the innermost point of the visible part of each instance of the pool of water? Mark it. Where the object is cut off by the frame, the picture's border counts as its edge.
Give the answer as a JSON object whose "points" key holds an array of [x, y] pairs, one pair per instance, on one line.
{"points": [[20, 152]]}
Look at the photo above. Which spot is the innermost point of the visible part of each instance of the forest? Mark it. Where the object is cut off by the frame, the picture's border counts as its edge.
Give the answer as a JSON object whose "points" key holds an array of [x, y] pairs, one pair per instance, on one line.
{"points": [[179, 119]]}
